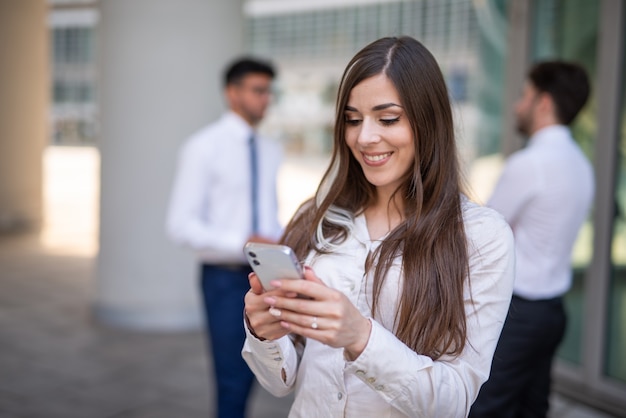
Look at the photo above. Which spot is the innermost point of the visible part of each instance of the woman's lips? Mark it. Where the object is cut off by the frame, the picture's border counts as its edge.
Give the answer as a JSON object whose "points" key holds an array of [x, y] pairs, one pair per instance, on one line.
{"points": [[376, 159]]}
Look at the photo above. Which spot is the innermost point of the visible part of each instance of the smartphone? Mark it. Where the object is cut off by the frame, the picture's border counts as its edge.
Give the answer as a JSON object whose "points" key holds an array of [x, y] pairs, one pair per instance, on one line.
{"points": [[272, 262]]}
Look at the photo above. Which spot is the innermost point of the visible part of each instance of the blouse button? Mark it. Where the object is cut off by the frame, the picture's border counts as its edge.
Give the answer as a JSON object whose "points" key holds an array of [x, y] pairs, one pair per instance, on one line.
{"points": [[339, 395], [371, 379], [360, 372], [379, 387]]}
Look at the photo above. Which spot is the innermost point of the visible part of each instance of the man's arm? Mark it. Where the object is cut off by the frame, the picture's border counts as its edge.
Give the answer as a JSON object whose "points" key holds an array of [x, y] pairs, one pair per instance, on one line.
{"points": [[187, 218], [514, 188]]}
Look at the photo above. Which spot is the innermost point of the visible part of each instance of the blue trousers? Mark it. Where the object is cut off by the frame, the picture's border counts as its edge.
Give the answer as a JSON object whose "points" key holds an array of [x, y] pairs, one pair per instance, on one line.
{"points": [[519, 383], [223, 290]]}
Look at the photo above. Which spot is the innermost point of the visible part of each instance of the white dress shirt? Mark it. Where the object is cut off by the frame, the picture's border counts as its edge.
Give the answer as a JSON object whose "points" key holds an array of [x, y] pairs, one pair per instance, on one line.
{"points": [[545, 192], [389, 379], [210, 207]]}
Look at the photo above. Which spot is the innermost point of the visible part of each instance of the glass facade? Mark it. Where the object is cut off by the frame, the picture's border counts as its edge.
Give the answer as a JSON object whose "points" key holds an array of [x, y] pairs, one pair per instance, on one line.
{"points": [[311, 48], [333, 35], [73, 78]]}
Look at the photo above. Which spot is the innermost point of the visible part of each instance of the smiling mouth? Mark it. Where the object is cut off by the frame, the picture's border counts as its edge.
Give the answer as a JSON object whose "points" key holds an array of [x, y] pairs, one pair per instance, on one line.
{"points": [[376, 158]]}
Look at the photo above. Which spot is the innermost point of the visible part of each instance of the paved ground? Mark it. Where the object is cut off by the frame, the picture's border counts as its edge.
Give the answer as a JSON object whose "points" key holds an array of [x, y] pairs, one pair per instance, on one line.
{"points": [[56, 361]]}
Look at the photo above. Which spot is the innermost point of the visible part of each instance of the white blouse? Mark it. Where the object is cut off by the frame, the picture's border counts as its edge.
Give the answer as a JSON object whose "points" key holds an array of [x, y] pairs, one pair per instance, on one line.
{"points": [[389, 379]]}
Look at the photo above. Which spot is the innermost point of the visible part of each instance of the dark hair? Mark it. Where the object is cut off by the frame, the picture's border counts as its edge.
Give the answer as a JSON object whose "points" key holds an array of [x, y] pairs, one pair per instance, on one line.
{"points": [[241, 67], [567, 83], [431, 240]]}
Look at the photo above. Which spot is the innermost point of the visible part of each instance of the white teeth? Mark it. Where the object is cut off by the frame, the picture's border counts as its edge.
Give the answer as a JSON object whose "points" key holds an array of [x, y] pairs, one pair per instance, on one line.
{"points": [[375, 158]]}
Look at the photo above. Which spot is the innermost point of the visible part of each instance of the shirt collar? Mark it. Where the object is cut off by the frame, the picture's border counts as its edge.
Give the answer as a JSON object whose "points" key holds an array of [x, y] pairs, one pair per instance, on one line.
{"points": [[360, 229], [362, 235], [550, 133], [240, 127]]}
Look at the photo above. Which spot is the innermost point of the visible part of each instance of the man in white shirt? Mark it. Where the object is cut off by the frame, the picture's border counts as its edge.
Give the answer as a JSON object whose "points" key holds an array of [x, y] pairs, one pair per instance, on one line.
{"points": [[545, 193], [224, 195]]}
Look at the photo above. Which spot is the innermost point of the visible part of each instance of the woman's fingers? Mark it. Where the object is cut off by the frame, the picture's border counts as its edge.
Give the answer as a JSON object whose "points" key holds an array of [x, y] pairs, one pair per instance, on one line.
{"points": [[263, 323], [311, 287], [255, 284], [333, 320], [259, 319], [310, 275], [320, 312]]}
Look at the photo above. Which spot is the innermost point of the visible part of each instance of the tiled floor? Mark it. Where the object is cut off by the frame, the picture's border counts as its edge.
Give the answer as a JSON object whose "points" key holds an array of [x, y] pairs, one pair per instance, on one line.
{"points": [[56, 361]]}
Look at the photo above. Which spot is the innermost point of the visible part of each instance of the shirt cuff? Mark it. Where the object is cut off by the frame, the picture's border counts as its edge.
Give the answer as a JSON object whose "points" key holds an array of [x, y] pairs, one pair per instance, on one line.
{"points": [[275, 355]]}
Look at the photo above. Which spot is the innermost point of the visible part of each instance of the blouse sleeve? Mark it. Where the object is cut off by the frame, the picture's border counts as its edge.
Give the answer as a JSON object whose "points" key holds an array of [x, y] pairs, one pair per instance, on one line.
{"points": [[447, 387], [274, 363]]}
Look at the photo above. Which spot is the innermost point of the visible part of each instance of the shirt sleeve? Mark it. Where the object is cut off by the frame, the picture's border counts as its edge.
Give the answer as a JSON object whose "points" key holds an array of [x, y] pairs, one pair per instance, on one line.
{"points": [[270, 361], [447, 387], [187, 222], [514, 187]]}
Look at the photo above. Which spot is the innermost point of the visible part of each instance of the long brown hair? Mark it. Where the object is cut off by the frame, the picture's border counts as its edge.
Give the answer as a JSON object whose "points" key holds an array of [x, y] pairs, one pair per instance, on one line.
{"points": [[430, 317]]}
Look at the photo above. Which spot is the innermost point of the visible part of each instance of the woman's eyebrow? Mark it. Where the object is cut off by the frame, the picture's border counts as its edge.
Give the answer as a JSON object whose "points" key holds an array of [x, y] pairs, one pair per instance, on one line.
{"points": [[385, 106], [375, 108]]}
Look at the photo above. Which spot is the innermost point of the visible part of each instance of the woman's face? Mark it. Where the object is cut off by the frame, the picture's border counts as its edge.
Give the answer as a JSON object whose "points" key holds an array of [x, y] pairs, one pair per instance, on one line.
{"points": [[378, 132]]}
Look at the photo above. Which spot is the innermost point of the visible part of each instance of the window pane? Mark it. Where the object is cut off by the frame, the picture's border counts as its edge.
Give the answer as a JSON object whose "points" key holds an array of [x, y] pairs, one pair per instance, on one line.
{"points": [[73, 76]]}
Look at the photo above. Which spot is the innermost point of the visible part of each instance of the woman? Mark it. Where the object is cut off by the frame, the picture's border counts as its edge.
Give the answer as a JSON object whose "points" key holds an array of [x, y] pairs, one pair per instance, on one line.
{"points": [[407, 282]]}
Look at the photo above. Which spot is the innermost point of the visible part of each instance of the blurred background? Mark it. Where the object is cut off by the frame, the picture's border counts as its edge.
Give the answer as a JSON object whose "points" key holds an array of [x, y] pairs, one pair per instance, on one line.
{"points": [[97, 95]]}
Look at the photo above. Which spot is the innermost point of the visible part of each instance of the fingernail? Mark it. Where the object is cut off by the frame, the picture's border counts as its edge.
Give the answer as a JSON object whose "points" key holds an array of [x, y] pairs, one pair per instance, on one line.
{"points": [[274, 311]]}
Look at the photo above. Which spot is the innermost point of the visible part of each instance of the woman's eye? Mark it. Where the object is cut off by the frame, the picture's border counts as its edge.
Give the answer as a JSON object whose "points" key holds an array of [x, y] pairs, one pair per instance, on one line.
{"points": [[388, 122], [353, 122]]}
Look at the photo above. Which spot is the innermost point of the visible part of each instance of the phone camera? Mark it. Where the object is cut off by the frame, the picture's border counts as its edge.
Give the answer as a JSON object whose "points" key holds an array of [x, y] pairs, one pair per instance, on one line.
{"points": [[252, 254], [256, 262]]}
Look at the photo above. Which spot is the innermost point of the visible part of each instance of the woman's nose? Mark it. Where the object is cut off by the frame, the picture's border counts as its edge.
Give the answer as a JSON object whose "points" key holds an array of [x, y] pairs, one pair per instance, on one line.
{"points": [[369, 133]]}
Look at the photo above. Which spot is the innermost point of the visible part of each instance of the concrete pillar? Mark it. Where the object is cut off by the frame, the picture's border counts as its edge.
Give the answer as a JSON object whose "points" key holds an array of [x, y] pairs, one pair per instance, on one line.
{"points": [[160, 80], [24, 97]]}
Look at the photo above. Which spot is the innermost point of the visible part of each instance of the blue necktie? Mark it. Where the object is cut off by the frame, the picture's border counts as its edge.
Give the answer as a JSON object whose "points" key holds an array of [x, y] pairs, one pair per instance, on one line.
{"points": [[254, 185]]}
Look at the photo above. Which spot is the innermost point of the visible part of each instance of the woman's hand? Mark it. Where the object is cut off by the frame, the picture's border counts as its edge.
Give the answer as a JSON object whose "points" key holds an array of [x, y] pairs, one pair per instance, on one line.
{"points": [[328, 316], [260, 321]]}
